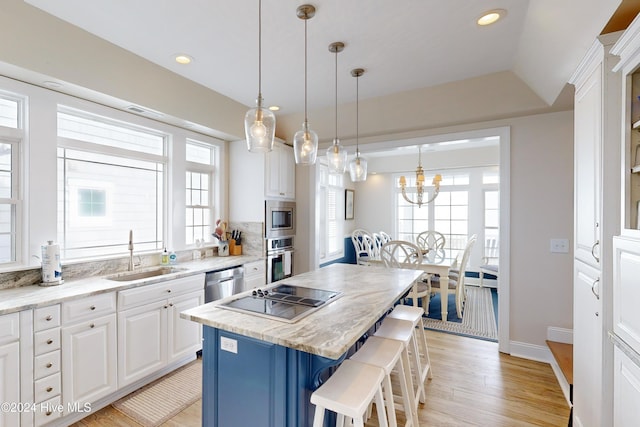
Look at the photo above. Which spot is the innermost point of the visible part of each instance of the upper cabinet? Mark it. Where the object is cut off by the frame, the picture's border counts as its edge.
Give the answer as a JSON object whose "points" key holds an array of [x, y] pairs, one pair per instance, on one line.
{"points": [[280, 173], [628, 49], [254, 177]]}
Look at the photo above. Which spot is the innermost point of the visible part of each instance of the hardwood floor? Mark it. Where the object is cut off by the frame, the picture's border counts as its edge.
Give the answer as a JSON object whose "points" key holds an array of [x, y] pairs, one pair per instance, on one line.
{"points": [[473, 385]]}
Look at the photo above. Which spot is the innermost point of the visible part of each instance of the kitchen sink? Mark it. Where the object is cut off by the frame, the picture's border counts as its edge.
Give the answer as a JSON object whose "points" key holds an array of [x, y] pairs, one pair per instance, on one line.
{"points": [[144, 274]]}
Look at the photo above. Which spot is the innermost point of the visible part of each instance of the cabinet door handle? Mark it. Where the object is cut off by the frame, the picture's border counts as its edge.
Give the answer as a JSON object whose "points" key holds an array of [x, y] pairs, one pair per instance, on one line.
{"points": [[169, 291], [593, 248], [49, 365], [49, 318], [170, 304], [92, 326], [49, 389], [93, 307], [593, 288], [49, 342]]}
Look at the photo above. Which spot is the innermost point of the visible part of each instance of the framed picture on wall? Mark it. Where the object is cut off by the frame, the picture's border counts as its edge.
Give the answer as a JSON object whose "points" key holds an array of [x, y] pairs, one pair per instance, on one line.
{"points": [[348, 204]]}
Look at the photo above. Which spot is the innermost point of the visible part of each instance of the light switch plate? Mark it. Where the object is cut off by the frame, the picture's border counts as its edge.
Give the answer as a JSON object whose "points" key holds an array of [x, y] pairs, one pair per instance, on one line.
{"points": [[560, 246]]}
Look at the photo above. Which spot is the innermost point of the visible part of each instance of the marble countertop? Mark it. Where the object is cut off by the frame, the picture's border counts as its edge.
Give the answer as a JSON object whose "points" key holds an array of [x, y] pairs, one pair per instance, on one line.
{"points": [[33, 296], [367, 293]]}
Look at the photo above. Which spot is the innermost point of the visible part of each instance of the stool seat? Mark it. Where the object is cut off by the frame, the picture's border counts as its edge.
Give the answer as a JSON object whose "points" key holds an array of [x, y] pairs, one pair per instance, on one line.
{"points": [[349, 391], [407, 312], [395, 329]]}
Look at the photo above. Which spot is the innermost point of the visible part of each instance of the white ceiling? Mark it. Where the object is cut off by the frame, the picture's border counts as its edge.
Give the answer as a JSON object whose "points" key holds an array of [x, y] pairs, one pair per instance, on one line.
{"points": [[403, 44]]}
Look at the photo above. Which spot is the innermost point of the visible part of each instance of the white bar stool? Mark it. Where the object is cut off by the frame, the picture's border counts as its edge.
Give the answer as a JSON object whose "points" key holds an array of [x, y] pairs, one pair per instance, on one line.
{"points": [[386, 354], [348, 392], [414, 315], [402, 330]]}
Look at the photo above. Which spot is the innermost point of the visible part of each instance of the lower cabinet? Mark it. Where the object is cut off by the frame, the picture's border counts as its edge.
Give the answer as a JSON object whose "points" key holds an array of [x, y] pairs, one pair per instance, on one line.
{"points": [[90, 361], [9, 379], [151, 333], [255, 275], [626, 390]]}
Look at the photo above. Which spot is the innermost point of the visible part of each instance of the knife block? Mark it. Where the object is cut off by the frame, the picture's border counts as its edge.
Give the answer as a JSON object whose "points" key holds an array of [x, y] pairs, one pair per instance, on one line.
{"points": [[233, 248]]}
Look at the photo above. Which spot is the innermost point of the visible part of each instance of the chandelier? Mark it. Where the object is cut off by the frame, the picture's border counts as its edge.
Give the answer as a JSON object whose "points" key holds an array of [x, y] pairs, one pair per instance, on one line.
{"points": [[420, 184]]}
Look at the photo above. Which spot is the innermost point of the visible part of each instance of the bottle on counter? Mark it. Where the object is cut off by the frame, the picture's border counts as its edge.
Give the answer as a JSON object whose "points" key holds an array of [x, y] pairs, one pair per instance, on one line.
{"points": [[165, 257], [173, 258]]}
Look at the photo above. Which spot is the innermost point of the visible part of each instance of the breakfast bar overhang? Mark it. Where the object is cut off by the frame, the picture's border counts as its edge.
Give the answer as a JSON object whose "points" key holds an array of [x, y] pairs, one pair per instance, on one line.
{"points": [[261, 372]]}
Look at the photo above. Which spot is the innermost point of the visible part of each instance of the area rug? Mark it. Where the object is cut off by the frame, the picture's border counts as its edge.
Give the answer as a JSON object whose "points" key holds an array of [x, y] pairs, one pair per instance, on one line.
{"points": [[479, 318], [159, 401]]}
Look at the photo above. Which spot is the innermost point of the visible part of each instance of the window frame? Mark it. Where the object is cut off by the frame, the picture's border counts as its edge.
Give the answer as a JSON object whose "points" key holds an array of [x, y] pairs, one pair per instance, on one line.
{"points": [[201, 168]]}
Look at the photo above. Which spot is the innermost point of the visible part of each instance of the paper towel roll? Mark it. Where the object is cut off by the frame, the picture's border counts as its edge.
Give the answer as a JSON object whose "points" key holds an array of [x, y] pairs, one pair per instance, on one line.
{"points": [[51, 268]]}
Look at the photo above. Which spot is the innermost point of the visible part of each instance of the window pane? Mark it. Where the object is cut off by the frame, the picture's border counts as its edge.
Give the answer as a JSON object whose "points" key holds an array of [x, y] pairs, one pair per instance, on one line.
{"points": [[109, 133], [199, 153], [9, 113]]}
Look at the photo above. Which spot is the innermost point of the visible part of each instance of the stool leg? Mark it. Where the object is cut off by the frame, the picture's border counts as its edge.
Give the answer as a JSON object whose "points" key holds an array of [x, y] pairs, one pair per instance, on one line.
{"points": [[318, 418], [391, 410], [382, 417], [425, 349], [339, 420], [407, 376], [416, 356], [408, 400]]}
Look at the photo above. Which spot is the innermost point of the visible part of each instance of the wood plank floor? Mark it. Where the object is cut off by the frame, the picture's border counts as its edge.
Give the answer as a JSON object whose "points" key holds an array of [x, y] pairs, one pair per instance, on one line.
{"points": [[473, 385]]}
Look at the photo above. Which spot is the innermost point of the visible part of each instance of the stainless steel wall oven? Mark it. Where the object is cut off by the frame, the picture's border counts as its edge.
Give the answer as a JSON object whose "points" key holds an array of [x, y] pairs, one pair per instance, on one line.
{"points": [[279, 258]]}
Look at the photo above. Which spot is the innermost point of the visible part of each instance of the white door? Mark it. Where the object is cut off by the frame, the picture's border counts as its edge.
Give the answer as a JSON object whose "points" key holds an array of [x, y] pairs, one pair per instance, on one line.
{"points": [[185, 336], [9, 382], [142, 342], [89, 360], [587, 346]]}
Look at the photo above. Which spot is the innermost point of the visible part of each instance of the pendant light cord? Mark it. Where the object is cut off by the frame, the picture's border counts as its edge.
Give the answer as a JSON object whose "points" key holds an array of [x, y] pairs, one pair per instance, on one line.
{"points": [[306, 125], [336, 139], [357, 116], [260, 49]]}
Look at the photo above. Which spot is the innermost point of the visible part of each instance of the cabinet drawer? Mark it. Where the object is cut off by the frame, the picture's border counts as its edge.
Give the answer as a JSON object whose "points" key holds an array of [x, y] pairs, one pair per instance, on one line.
{"points": [[46, 364], [258, 268], [47, 411], [89, 307], [134, 297], [46, 388], [46, 341], [46, 317], [9, 327]]}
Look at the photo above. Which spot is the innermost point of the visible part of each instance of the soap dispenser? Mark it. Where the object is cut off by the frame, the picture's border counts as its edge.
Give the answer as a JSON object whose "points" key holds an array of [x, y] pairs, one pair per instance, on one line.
{"points": [[173, 258], [165, 257]]}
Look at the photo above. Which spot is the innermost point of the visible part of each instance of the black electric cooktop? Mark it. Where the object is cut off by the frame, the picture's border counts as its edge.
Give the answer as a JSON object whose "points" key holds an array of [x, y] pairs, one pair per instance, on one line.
{"points": [[284, 302]]}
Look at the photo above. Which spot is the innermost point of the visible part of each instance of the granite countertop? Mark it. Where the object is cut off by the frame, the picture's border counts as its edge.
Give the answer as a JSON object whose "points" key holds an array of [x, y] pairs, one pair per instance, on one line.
{"points": [[33, 296], [367, 293]]}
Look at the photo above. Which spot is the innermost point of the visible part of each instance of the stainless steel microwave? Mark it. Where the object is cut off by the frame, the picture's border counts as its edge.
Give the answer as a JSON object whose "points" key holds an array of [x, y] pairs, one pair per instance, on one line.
{"points": [[280, 218]]}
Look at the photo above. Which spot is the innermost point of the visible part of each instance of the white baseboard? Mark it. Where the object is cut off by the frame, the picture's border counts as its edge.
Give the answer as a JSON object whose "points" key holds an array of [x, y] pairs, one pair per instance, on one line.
{"points": [[564, 384], [562, 335], [539, 353]]}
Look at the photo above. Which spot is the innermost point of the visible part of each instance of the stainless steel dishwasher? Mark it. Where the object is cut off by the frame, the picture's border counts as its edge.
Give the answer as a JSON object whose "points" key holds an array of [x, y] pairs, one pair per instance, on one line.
{"points": [[223, 283]]}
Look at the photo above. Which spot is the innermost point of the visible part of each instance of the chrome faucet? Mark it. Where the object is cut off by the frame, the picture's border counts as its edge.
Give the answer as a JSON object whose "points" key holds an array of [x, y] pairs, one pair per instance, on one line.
{"points": [[131, 266]]}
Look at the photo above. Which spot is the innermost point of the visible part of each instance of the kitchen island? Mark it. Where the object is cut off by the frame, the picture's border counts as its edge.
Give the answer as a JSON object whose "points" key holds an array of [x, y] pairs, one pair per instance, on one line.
{"points": [[261, 372]]}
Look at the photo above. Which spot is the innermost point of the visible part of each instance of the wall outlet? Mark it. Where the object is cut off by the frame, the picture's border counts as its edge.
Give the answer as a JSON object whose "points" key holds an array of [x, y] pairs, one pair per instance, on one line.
{"points": [[228, 344], [560, 246]]}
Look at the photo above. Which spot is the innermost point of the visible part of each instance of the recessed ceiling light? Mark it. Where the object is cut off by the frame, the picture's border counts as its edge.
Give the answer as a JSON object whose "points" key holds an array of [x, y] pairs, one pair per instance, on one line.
{"points": [[183, 58], [491, 16], [274, 108]]}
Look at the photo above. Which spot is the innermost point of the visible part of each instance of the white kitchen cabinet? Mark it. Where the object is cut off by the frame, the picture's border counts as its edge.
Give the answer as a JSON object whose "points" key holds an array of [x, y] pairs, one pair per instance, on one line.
{"points": [[255, 177], [255, 275], [9, 367], [280, 172], [151, 333], [89, 349], [185, 336], [626, 393], [597, 117]]}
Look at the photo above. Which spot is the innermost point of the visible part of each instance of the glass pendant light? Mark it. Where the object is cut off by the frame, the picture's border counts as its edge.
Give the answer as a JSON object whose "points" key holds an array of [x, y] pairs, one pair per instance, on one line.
{"points": [[305, 141], [336, 155], [358, 165], [259, 122]]}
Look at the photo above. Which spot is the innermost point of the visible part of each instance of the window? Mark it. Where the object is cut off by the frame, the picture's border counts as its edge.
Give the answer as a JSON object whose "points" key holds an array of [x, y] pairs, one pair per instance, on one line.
{"points": [[491, 217], [111, 179], [452, 213], [331, 214], [200, 158], [11, 136]]}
